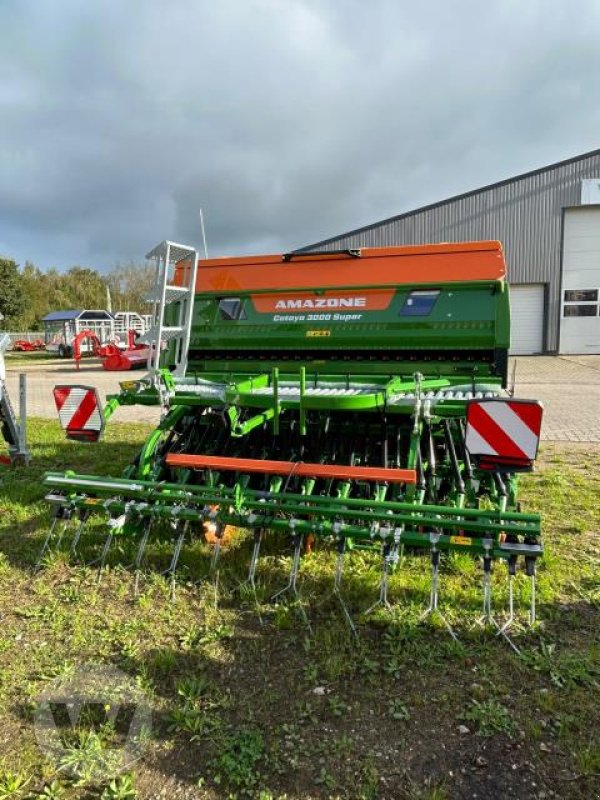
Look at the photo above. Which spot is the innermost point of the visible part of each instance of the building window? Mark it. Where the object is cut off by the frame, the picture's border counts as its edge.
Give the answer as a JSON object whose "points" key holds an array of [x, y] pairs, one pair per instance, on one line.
{"points": [[581, 295], [581, 310], [419, 303], [232, 308], [580, 302]]}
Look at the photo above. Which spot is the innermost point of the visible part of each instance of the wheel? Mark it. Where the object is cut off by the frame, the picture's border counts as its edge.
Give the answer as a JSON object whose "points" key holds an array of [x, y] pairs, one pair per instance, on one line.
{"points": [[62, 351]]}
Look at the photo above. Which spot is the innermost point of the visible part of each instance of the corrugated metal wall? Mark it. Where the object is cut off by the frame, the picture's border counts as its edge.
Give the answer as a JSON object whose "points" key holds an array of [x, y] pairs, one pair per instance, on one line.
{"points": [[525, 214]]}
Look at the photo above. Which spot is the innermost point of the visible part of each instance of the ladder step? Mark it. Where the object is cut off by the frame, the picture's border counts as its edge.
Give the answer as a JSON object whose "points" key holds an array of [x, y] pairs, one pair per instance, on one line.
{"points": [[166, 335], [172, 293]]}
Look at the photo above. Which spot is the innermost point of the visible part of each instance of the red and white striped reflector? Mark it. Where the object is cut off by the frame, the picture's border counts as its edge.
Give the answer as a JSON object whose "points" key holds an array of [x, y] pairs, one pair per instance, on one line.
{"points": [[504, 434], [80, 412]]}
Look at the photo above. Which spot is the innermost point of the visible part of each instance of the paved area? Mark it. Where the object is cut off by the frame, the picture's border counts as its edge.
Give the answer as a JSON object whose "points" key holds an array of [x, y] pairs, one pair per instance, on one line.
{"points": [[569, 387], [42, 379]]}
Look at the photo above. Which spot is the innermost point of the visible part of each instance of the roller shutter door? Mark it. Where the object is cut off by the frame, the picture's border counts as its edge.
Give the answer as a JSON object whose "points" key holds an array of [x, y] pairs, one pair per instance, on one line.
{"points": [[527, 319]]}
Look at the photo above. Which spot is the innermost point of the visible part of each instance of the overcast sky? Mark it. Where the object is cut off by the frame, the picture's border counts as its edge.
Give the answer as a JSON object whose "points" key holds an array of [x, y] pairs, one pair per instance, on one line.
{"points": [[287, 121]]}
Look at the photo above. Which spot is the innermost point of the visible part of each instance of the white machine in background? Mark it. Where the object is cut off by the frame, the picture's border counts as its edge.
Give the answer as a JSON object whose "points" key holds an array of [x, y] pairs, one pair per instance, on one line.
{"points": [[13, 431]]}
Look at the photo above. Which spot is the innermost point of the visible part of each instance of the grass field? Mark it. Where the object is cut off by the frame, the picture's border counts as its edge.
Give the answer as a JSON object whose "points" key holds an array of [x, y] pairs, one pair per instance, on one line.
{"points": [[249, 705], [36, 357]]}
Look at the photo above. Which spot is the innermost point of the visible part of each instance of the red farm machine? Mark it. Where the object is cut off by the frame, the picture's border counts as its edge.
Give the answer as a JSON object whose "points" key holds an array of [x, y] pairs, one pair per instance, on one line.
{"points": [[27, 346], [355, 400], [113, 357]]}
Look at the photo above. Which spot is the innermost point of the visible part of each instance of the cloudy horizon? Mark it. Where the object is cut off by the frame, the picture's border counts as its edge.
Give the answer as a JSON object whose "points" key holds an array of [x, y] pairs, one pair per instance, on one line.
{"points": [[287, 122]]}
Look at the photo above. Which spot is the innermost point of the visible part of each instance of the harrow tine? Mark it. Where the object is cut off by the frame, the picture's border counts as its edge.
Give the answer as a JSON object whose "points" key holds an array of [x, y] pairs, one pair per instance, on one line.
{"points": [[487, 618], [62, 515], [337, 585], [170, 570], [291, 586], [213, 570], [84, 515], [530, 570], [433, 607], [216, 554], [503, 630], [107, 543], [251, 578], [114, 524], [392, 554], [383, 583], [512, 570], [139, 557]]}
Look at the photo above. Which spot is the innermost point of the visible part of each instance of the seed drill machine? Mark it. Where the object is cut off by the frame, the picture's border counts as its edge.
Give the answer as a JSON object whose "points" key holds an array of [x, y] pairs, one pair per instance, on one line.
{"points": [[353, 397]]}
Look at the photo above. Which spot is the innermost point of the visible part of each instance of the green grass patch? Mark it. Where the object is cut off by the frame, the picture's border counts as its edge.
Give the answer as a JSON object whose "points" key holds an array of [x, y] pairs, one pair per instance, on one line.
{"points": [[251, 704]]}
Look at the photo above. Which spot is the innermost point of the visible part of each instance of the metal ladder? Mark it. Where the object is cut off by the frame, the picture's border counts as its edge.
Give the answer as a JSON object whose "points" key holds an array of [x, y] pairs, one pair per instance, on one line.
{"points": [[166, 256], [14, 432]]}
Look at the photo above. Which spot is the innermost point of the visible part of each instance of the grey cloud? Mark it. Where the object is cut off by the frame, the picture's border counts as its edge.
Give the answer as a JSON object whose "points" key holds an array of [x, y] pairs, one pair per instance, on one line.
{"points": [[286, 121]]}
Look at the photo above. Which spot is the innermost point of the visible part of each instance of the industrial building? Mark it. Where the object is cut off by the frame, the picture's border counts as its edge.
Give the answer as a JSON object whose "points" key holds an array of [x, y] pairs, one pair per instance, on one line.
{"points": [[549, 223]]}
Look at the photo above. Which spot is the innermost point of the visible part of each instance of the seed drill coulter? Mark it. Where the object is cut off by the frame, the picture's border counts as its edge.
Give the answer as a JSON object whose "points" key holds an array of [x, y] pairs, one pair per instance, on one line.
{"points": [[352, 397]]}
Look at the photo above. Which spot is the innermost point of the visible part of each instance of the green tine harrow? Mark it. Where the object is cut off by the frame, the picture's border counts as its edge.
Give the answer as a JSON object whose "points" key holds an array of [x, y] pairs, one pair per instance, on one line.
{"points": [[352, 398]]}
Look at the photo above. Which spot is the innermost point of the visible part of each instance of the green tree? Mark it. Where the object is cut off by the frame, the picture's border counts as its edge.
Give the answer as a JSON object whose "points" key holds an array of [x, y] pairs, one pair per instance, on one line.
{"points": [[85, 288], [12, 298], [128, 284]]}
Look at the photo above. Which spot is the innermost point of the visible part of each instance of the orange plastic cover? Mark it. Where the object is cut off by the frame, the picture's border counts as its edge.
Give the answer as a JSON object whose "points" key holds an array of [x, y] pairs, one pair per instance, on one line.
{"points": [[377, 266]]}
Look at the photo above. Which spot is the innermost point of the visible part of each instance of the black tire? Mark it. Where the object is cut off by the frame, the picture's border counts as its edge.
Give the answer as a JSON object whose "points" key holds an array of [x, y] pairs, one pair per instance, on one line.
{"points": [[62, 351]]}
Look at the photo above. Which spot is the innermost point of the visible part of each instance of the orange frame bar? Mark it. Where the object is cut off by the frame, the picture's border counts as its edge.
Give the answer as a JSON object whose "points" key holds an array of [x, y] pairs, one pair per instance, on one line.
{"points": [[300, 468]]}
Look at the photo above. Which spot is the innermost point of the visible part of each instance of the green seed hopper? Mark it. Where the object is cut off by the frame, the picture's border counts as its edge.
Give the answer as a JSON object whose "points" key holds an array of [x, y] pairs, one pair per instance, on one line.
{"points": [[356, 397]]}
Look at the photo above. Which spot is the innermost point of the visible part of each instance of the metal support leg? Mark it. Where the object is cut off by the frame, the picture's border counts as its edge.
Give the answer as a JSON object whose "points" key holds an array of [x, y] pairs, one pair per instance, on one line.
{"points": [[433, 607], [337, 585], [23, 453]]}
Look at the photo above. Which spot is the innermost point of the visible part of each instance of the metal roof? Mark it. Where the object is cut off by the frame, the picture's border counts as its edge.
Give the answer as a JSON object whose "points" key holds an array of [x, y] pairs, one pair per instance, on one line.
{"points": [[63, 316], [60, 316], [448, 200]]}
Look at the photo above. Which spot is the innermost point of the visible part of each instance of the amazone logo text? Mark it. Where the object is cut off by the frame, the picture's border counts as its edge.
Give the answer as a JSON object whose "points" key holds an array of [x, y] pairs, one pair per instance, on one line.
{"points": [[322, 302]]}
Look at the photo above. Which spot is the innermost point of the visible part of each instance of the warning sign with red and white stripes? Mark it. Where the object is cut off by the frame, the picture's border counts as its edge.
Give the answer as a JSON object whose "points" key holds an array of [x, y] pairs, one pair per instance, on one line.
{"points": [[79, 412], [504, 432]]}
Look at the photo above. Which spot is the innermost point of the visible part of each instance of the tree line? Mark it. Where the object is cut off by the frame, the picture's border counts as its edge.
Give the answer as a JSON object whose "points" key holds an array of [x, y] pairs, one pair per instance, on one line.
{"points": [[28, 293]]}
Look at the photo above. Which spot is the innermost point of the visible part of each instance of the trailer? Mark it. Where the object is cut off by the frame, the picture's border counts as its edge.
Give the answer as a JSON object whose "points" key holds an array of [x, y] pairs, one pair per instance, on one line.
{"points": [[61, 328]]}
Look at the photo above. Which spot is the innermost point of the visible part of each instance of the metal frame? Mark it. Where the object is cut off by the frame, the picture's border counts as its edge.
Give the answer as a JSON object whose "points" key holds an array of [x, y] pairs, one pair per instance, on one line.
{"points": [[166, 255], [17, 448]]}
